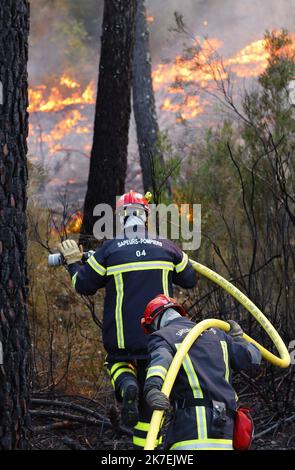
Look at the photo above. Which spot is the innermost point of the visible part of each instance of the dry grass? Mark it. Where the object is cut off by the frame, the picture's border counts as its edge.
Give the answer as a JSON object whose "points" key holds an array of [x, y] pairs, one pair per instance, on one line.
{"points": [[67, 347]]}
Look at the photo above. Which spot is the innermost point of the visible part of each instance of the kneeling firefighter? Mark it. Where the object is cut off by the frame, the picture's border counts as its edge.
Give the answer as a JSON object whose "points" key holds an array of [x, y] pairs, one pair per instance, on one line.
{"points": [[134, 269], [205, 413]]}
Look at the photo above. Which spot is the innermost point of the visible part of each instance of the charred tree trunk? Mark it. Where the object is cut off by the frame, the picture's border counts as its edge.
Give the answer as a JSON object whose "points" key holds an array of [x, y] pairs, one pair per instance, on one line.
{"points": [[144, 102], [14, 332], [108, 162]]}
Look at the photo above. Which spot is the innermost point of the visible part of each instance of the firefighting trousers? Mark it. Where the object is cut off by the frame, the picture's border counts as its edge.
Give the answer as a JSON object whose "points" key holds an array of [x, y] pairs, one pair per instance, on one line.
{"points": [[123, 374]]}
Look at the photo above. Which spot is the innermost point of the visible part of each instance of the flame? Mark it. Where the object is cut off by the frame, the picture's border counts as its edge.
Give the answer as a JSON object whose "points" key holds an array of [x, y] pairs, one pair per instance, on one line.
{"points": [[66, 125], [186, 210], [149, 17], [69, 82], [72, 121], [250, 61], [59, 121], [200, 70], [75, 223], [197, 69], [185, 70], [188, 109], [66, 93], [73, 226], [66, 98]]}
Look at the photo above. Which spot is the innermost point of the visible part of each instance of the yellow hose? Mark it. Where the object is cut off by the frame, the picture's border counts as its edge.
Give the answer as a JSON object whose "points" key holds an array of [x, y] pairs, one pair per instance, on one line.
{"points": [[282, 361]]}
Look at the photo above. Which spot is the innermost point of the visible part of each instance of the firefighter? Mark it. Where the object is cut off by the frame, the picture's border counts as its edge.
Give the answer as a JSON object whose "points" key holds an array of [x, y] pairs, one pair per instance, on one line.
{"points": [[133, 269], [203, 399]]}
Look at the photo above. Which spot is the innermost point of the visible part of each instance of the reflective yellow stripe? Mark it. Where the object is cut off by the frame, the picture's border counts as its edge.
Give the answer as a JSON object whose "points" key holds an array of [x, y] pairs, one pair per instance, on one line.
{"points": [[165, 274], [139, 266], [225, 358], [191, 375], [121, 371], [159, 371], [201, 422], [117, 365], [142, 426], [96, 266], [197, 393], [140, 441], [74, 279], [180, 266], [203, 444], [119, 317], [121, 364], [120, 367]]}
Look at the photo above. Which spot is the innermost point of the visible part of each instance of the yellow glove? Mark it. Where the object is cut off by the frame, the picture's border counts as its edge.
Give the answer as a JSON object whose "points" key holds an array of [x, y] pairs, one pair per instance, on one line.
{"points": [[71, 252]]}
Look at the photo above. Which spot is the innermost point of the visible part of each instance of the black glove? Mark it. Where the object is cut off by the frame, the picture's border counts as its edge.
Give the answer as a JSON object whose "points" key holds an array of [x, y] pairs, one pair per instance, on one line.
{"points": [[235, 329], [157, 400]]}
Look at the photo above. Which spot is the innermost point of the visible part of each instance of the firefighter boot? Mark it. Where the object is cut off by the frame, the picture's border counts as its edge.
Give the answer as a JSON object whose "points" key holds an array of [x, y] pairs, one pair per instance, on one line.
{"points": [[129, 411]]}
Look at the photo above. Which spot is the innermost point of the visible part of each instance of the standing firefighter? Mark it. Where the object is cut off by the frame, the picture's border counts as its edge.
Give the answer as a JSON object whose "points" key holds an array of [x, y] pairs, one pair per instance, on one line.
{"points": [[203, 399], [133, 269]]}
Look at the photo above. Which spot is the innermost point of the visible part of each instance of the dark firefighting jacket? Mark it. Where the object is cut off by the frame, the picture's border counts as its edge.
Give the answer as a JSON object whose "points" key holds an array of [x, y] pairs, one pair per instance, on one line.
{"points": [[204, 378], [133, 271]]}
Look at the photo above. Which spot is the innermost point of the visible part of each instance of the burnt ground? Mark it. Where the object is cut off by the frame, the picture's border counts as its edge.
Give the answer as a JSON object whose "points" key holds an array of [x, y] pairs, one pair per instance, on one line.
{"points": [[78, 423]]}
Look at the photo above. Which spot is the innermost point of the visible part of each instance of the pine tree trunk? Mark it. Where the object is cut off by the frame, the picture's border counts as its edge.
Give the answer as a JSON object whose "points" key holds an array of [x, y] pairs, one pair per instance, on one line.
{"points": [[14, 334], [108, 162], [144, 102]]}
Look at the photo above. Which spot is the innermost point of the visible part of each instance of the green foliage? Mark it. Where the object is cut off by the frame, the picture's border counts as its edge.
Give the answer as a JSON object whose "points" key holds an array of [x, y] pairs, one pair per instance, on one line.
{"points": [[72, 28], [89, 14], [281, 65], [72, 34], [169, 171]]}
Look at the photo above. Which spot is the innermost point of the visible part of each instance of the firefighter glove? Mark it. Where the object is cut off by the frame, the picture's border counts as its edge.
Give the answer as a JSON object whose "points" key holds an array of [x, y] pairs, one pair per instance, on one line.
{"points": [[70, 251], [235, 329], [157, 400]]}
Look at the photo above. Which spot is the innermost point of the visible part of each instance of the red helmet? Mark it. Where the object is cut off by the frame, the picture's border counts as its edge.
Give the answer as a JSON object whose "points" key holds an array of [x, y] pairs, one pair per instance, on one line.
{"points": [[157, 306], [132, 198]]}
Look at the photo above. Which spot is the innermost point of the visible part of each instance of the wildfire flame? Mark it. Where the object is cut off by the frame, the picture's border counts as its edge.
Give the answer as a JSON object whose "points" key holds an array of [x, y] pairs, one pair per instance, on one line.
{"points": [[250, 61], [64, 101], [75, 223], [150, 19], [73, 226], [56, 98], [188, 109], [202, 68], [66, 98]]}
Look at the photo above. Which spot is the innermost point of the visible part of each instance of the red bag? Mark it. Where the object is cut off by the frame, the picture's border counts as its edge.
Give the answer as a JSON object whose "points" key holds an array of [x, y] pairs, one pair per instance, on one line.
{"points": [[243, 429]]}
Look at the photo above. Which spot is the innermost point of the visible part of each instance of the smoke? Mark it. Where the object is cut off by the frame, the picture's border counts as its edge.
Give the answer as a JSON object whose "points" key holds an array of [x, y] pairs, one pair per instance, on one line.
{"points": [[66, 34], [65, 37], [234, 22]]}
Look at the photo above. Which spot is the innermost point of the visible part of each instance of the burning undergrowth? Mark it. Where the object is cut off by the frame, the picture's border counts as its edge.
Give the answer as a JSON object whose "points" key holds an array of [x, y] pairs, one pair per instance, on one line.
{"points": [[62, 109]]}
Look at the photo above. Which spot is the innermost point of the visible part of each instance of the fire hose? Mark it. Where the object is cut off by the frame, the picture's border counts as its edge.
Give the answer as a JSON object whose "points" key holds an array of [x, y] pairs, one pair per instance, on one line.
{"points": [[282, 361]]}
